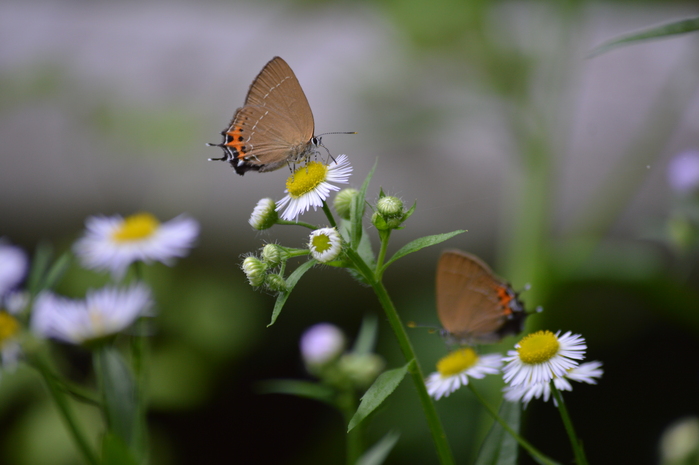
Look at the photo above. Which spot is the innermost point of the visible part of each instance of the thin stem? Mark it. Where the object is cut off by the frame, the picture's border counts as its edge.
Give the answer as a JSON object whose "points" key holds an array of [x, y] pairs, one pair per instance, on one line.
{"points": [[533, 451], [329, 215], [347, 403], [438, 435], [298, 223], [385, 236], [61, 401], [575, 443]]}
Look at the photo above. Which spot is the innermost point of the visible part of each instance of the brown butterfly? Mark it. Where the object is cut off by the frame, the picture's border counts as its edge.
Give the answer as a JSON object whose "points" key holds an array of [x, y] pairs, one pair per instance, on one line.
{"points": [[275, 125], [473, 305]]}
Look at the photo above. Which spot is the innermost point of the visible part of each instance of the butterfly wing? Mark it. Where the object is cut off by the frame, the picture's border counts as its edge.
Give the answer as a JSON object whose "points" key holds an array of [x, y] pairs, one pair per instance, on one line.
{"points": [[275, 125], [469, 304]]}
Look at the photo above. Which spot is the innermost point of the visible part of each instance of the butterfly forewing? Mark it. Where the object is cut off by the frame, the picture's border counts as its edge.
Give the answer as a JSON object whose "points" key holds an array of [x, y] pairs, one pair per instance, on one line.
{"points": [[276, 88]]}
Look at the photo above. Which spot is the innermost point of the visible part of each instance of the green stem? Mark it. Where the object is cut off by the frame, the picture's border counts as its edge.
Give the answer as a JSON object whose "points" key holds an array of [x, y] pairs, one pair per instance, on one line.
{"points": [[438, 435], [69, 419], [298, 223], [533, 451], [329, 214], [575, 443], [347, 403], [385, 236]]}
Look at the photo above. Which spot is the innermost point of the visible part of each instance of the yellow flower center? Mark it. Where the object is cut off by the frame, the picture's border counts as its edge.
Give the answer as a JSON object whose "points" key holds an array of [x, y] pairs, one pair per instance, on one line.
{"points": [[136, 227], [305, 180], [9, 327], [457, 361], [321, 243], [538, 347]]}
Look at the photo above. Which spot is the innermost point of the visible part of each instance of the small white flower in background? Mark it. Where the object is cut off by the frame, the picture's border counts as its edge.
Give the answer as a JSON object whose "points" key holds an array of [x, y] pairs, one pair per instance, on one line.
{"points": [[454, 370], [325, 244], [264, 215], [683, 172], [542, 356], [13, 267], [103, 313], [10, 348], [113, 243], [310, 185], [321, 344], [584, 373], [679, 443]]}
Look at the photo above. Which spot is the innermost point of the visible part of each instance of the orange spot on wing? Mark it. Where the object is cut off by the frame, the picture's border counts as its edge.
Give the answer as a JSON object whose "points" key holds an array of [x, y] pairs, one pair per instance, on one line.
{"points": [[505, 299]]}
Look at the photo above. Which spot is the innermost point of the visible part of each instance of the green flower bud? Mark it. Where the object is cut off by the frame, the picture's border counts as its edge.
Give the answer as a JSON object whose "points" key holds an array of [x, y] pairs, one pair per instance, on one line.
{"points": [[343, 201], [264, 215], [276, 283], [272, 254], [390, 207], [362, 369], [255, 270]]}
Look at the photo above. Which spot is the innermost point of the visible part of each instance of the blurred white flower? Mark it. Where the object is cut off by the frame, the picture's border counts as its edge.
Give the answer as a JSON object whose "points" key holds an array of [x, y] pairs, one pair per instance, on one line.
{"points": [[113, 243], [322, 343], [103, 313], [13, 267], [683, 172], [455, 369], [583, 373]]}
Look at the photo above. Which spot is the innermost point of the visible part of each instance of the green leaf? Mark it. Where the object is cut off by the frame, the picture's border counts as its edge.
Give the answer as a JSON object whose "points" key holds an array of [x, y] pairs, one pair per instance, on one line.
{"points": [[290, 283], [679, 27], [364, 249], [120, 399], [357, 210], [384, 385], [40, 263], [379, 451], [499, 447], [57, 271], [410, 212], [115, 451], [421, 243], [366, 340], [298, 388]]}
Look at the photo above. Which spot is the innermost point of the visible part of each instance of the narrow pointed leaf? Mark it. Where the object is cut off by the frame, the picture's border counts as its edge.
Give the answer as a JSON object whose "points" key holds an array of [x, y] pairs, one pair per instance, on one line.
{"points": [[658, 32], [115, 452], [366, 339], [421, 243], [499, 447], [377, 454], [290, 283], [120, 399], [385, 384], [298, 388], [357, 210]]}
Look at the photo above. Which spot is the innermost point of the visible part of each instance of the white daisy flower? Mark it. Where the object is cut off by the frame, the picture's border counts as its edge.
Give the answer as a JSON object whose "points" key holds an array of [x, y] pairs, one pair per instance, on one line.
{"points": [[264, 215], [13, 267], [103, 313], [584, 373], [454, 370], [325, 244], [543, 356], [113, 243], [310, 185]]}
